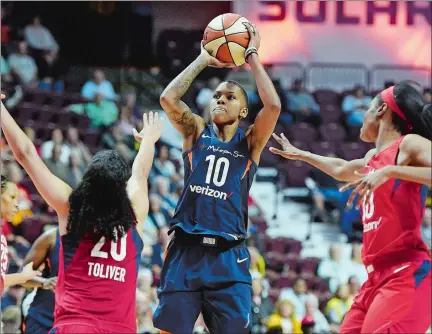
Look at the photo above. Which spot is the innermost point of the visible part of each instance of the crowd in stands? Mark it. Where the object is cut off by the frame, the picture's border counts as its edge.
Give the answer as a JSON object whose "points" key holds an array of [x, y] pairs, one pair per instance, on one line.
{"points": [[290, 294]]}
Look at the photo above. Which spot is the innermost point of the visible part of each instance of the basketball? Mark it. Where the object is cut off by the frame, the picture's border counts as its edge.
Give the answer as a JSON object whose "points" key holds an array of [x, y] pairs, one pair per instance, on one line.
{"points": [[226, 38]]}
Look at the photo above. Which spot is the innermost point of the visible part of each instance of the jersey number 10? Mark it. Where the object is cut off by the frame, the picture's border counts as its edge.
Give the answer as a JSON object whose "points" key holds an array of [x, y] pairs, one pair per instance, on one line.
{"points": [[96, 251], [221, 164]]}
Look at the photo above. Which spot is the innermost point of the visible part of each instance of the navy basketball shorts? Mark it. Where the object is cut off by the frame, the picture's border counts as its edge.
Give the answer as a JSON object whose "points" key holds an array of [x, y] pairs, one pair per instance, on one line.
{"points": [[197, 278], [32, 326]]}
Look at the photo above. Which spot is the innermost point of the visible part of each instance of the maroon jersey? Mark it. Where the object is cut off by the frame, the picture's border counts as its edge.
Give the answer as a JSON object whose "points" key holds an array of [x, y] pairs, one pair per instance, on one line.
{"points": [[393, 215], [97, 282]]}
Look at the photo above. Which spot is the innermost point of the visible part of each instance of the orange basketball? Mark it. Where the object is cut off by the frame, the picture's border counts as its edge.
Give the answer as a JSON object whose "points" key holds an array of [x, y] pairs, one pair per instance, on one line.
{"points": [[226, 38]]}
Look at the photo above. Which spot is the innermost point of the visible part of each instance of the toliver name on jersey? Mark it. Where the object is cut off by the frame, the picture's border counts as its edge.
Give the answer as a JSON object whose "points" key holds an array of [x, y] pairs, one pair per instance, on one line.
{"points": [[106, 271]]}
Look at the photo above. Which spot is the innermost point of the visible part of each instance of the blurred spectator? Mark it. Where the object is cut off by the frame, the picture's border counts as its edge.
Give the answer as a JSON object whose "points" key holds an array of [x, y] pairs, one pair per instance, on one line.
{"points": [[205, 95], [102, 113], [162, 187], [158, 250], [356, 266], [56, 139], [427, 95], [354, 287], [426, 228], [55, 165], [144, 313], [15, 175], [262, 306], [337, 306], [12, 296], [23, 66], [98, 86], [156, 219], [333, 269], [5, 73], [302, 104], [320, 323], [134, 110], [114, 140], [325, 190], [75, 144], [355, 106], [39, 37], [297, 295], [76, 169], [4, 28], [125, 122], [51, 72], [257, 262], [11, 319], [162, 165], [285, 318]]}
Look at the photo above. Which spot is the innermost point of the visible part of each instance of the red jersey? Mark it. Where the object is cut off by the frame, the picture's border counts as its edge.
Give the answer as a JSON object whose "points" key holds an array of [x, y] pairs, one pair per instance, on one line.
{"points": [[4, 260], [97, 282], [393, 215]]}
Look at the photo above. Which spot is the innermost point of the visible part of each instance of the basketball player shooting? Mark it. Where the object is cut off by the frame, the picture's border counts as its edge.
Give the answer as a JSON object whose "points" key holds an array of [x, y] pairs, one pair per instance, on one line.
{"points": [[100, 225], [392, 181], [207, 263]]}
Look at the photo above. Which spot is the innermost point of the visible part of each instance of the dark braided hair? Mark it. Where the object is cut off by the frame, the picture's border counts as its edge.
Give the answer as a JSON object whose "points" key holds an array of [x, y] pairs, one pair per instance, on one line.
{"points": [[100, 206], [411, 103]]}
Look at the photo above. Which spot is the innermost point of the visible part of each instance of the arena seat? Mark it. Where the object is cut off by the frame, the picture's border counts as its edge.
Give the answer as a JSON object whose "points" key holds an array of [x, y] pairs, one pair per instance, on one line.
{"points": [[327, 96], [295, 172], [309, 265], [332, 132], [323, 148], [330, 113], [303, 132], [352, 150]]}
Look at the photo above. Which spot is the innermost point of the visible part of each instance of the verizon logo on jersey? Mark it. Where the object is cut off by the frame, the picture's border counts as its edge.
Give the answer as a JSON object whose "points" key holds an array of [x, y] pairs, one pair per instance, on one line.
{"points": [[209, 192]]}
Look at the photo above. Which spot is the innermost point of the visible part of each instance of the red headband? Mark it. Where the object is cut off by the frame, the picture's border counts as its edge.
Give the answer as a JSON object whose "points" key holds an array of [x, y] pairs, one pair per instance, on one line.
{"points": [[388, 98]]}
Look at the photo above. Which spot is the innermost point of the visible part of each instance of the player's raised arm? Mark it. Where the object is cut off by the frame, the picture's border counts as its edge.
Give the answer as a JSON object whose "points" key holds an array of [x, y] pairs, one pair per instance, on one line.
{"points": [[52, 189], [267, 118], [137, 186], [340, 169], [179, 114], [37, 255]]}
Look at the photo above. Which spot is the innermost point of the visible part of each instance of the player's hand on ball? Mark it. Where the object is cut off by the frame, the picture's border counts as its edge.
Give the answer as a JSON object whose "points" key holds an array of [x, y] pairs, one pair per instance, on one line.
{"points": [[288, 150], [29, 273], [212, 61], [50, 283], [255, 38], [152, 128]]}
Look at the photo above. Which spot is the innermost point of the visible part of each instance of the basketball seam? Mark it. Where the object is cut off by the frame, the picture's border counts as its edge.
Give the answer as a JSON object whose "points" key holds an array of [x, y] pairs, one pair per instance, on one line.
{"points": [[231, 23], [226, 41]]}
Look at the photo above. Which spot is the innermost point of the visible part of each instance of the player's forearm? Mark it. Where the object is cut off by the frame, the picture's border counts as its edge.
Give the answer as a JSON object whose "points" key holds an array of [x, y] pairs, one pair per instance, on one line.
{"points": [[180, 85], [422, 175], [334, 167], [35, 282], [14, 279], [266, 89], [144, 160], [20, 144]]}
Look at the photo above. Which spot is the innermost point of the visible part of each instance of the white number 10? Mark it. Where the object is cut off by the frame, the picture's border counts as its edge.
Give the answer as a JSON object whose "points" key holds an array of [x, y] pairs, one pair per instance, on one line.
{"points": [[96, 251], [222, 160]]}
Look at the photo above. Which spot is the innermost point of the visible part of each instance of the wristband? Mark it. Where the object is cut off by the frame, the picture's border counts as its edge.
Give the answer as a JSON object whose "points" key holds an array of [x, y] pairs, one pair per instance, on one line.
{"points": [[249, 51]]}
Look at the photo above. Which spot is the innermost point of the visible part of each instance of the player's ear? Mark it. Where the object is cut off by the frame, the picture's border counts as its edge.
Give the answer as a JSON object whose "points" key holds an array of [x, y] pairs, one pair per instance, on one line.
{"points": [[382, 109], [243, 113]]}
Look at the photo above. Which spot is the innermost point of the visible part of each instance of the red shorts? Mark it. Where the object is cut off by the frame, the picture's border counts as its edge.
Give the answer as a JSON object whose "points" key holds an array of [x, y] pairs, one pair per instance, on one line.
{"points": [[396, 299]]}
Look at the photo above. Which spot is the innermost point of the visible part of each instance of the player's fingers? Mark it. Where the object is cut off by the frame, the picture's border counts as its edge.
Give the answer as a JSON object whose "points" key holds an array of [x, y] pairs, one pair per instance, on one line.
{"points": [[38, 273], [3, 96], [358, 173], [145, 120], [283, 136], [354, 194], [150, 120], [350, 185], [156, 118], [363, 194], [275, 136], [276, 151]]}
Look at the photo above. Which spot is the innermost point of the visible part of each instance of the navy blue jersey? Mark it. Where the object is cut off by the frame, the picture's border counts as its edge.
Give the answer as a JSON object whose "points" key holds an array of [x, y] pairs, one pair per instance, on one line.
{"points": [[218, 177], [41, 309]]}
